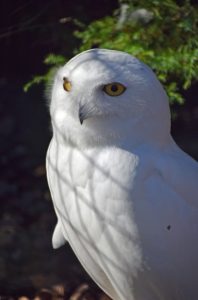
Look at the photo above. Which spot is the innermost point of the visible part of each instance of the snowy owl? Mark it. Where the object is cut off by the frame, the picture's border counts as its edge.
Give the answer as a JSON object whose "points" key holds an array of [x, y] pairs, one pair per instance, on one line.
{"points": [[125, 195]]}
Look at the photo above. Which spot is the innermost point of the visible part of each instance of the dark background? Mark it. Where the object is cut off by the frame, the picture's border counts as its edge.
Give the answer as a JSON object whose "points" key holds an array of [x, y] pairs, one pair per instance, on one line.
{"points": [[28, 31]]}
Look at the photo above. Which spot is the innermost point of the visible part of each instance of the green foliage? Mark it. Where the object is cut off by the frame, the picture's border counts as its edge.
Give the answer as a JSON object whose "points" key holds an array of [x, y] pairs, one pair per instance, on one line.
{"points": [[168, 42], [165, 37]]}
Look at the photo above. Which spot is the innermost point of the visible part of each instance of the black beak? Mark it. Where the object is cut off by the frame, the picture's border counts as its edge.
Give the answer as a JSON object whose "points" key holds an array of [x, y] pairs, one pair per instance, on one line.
{"points": [[83, 113], [81, 119]]}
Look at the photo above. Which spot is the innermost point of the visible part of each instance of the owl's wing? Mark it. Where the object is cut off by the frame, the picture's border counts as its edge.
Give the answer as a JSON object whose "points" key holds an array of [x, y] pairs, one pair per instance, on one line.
{"points": [[58, 238], [180, 171]]}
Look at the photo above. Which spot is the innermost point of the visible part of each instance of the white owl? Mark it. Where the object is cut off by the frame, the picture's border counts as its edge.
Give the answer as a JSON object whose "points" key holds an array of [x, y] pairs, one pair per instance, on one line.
{"points": [[125, 195]]}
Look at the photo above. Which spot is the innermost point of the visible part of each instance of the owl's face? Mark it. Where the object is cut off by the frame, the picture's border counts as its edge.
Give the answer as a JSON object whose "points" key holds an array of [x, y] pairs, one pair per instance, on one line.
{"points": [[105, 94]]}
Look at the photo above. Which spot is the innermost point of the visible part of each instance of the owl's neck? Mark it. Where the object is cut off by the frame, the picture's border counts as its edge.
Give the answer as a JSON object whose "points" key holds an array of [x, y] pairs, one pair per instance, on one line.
{"points": [[102, 132]]}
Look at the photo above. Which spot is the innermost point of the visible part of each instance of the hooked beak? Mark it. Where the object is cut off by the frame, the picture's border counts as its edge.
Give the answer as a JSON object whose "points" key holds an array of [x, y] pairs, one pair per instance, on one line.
{"points": [[81, 117], [83, 114]]}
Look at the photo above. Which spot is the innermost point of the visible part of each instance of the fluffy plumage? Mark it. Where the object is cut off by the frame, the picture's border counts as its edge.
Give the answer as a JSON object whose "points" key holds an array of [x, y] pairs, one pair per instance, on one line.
{"points": [[124, 194]]}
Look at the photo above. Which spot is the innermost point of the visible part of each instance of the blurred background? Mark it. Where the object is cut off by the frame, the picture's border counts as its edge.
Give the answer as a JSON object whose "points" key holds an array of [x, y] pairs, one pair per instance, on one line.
{"points": [[35, 38]]}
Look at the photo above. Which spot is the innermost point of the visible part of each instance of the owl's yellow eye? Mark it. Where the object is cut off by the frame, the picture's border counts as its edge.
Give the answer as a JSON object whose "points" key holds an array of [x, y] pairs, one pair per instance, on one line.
{"points": [[66, 84], [114, 89]]}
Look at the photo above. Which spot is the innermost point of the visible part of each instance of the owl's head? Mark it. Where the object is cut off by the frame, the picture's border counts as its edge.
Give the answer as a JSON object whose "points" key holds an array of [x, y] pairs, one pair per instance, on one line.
{"points": [[103, 96]]}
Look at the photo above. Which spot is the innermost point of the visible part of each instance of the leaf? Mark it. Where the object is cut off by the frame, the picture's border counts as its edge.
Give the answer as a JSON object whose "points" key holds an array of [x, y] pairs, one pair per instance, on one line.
{"points": [[53, 59], [36, 80]]}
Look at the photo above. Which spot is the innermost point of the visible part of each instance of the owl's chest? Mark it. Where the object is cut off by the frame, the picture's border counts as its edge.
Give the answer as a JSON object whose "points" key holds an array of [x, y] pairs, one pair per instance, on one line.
{"points": [[67, 171], [99, 181], [75, 168]]}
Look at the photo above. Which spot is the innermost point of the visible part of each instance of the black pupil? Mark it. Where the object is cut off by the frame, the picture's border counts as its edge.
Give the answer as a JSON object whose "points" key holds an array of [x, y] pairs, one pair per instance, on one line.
{"points": [[114, 88]]}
